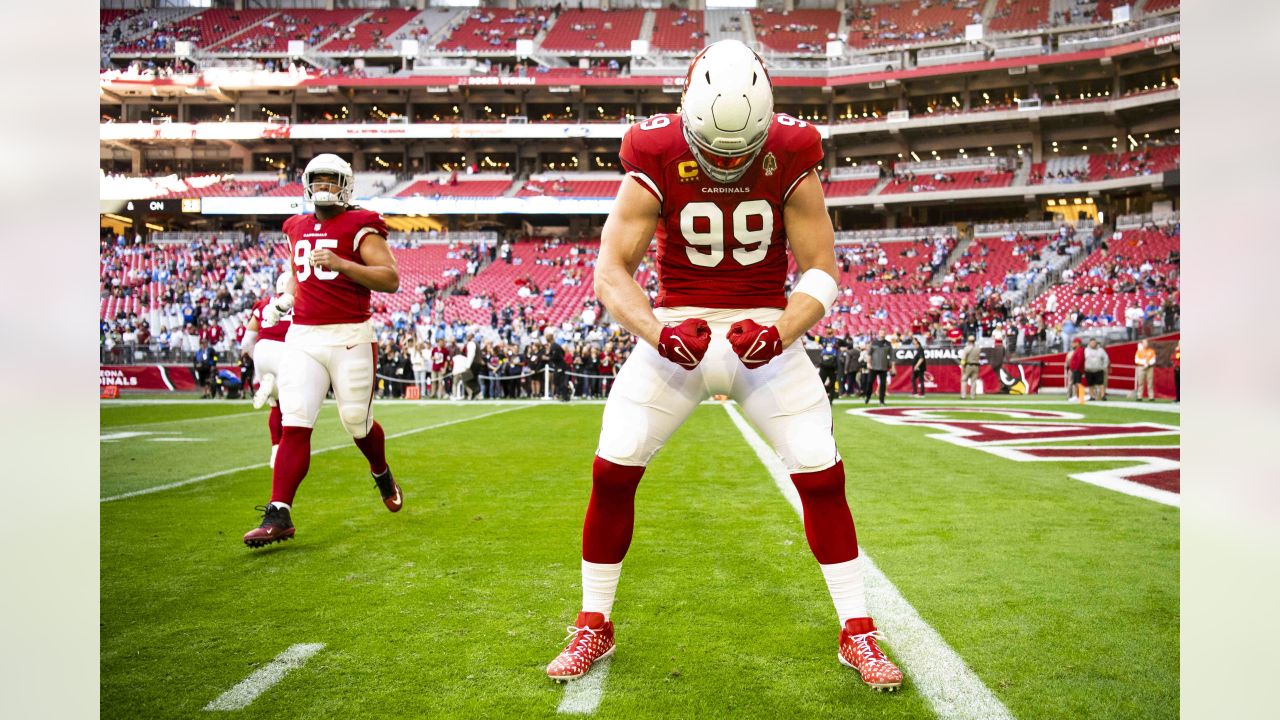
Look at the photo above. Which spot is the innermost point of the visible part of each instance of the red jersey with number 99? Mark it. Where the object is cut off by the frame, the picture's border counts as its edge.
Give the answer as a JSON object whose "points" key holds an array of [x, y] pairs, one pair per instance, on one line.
{"points": [[720, 246], [327, 297]]}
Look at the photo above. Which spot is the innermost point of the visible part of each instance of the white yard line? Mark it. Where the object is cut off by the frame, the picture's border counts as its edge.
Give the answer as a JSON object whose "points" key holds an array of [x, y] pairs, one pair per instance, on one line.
{"points": [[941, 676], [261, 680], [582, 696], [220, 473]]}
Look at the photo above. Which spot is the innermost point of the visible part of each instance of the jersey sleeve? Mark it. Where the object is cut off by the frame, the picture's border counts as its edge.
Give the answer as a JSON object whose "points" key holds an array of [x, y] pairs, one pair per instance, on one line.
{"points": [[369, 222], [804, 153], [640, 159]]}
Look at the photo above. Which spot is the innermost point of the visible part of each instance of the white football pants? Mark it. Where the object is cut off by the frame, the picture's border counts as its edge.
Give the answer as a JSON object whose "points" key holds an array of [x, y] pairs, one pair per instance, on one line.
{"points": [[306, 373], [653, 396], [267, 355]]}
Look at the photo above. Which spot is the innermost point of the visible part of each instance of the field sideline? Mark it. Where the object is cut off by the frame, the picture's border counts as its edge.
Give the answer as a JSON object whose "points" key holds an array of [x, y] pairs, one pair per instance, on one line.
{"points": [[1060, 597]]}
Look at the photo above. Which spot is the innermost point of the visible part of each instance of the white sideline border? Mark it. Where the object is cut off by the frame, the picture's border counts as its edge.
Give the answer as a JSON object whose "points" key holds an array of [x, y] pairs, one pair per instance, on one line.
{"points": [[262, 679], [220, 473], [940, 675], [582, 696]]}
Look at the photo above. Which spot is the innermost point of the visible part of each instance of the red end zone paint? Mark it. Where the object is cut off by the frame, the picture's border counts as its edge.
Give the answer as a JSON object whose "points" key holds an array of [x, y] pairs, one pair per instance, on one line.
{"points": [[1155, 472]]}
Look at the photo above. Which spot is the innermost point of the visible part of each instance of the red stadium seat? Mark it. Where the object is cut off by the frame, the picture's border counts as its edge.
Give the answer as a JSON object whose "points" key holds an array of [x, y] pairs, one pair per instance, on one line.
{"points": [[586, 30]]}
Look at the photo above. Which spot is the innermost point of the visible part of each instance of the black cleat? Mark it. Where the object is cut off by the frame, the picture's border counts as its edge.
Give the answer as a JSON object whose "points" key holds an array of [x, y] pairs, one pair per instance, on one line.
{"points": [[276, 526], [390, 491]]}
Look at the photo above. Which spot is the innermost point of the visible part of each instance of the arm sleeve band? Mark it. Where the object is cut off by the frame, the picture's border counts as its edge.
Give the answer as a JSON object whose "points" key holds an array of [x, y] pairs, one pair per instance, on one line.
{"points": [[818, 285]]}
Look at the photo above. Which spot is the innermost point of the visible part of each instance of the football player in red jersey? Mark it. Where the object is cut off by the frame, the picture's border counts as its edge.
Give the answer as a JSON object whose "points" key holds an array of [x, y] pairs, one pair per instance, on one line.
{"points": [[266, 346], [727, 185], [339, 255]]}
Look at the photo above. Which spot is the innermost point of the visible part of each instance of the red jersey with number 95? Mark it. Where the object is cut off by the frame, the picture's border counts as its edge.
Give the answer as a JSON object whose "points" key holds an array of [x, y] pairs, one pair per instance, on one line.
{"points": [[327, 297], [720, 246]]}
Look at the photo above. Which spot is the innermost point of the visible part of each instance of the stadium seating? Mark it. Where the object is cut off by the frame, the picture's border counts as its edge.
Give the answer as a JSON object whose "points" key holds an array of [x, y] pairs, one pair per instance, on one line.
{"points": [[891, 294], [1092, 290], [594, 30], [948, 182], [226, 188], [848, 188], [291, 190], [211, 27], [436, 264], [499, 283], [906, 22], [988, 260], [803, 31], [1140, 162], [678, 31], [273, 35], [1154, 6], [493, 29], [1067, 169], [1016, 15], [372, 32], [550, 186], [463, 187], [107, 16]]}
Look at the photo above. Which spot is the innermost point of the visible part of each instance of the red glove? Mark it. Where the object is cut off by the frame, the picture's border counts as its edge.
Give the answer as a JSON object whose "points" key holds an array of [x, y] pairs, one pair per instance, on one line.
{"points": [[686, 343], [755, 343]]}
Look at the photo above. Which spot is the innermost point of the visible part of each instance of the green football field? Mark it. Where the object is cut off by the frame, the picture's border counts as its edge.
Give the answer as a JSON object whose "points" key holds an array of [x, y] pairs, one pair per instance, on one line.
{"points": [[1052, 597]]}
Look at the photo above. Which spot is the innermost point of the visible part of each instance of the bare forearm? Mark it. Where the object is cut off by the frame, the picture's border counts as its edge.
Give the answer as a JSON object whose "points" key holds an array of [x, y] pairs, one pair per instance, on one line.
{"points": [[628, 304], [802, 313], [377, 277]]}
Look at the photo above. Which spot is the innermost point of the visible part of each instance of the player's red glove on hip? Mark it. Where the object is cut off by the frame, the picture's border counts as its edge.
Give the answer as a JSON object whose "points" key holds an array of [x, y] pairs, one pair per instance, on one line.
{"points": [[755, 343], [686, 343]]}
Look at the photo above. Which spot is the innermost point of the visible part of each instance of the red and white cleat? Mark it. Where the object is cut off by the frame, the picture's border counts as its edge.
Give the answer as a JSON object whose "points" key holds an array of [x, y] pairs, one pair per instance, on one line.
{"points": [[590, 639], [859, 650]]}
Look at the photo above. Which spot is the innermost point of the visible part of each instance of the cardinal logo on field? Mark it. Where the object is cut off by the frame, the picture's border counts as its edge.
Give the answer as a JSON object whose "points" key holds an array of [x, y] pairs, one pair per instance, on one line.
{"points": [[688, 170], [770, 164]]}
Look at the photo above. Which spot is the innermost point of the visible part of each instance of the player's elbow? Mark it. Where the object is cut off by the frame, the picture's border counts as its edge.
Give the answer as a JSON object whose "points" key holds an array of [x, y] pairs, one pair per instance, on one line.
{"points": [[388, 281]]}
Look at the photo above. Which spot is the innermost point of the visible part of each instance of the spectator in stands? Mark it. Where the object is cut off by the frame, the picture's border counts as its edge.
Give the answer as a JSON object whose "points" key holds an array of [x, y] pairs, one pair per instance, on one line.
{"points": [[439, 360], [418, 362], [556, 362]]}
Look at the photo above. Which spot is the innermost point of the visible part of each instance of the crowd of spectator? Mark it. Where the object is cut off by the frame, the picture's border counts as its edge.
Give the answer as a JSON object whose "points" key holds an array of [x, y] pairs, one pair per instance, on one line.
{"points": [[505, 31], [188, 296], [195, 300]]}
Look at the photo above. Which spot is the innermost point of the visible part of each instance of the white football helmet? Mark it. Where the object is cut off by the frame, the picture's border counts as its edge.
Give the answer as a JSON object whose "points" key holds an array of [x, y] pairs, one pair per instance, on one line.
{"points": [[726, 108], [282, 282], [328, 164]]}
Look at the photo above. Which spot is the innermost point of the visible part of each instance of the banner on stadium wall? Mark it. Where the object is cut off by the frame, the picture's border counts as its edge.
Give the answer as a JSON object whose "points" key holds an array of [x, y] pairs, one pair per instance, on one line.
{"points": [[174, 378], [944, 377]]}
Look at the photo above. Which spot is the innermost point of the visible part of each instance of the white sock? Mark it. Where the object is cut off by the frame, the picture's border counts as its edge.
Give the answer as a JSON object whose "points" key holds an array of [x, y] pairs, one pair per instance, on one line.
{"points": [[274, 450], [599, 585], [845, 582], [281, 505]]}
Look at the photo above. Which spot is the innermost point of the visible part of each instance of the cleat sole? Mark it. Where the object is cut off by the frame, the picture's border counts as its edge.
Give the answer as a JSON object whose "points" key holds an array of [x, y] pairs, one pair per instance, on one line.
{"points": [[256, 543]]}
